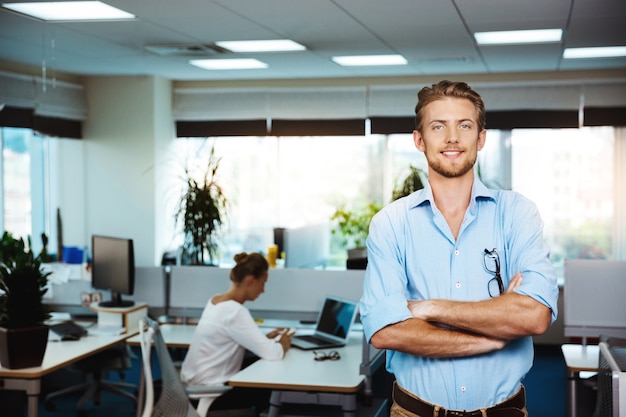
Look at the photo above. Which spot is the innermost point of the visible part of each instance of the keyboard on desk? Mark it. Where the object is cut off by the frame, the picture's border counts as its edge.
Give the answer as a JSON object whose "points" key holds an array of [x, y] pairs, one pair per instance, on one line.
{"points": [[69, 328], [312, 339]]}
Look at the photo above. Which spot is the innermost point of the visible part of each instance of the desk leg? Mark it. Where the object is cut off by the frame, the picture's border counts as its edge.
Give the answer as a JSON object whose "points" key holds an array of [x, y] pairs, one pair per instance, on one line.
{"points": [[571, 393], [275, 403], [348, 405], [32, 388]]}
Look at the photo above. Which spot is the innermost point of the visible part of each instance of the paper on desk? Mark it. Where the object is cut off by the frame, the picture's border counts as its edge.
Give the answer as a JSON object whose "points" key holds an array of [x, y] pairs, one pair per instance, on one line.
{"points": [[102, 330], [60, 316]]}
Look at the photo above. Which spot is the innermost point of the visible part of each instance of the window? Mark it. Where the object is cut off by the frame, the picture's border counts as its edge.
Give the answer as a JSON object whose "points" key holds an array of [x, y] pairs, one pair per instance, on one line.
{"points": [[292, 181], [295, 181], [569, 174], [24, 170]]}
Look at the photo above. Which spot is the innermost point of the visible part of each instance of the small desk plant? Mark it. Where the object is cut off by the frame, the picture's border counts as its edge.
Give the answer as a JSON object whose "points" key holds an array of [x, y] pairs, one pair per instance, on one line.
{"points": [[23, 284]]}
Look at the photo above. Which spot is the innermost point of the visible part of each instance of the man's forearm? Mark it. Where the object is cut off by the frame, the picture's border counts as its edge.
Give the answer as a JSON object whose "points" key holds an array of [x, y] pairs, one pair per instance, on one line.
{"points": [[508, 316], [420, 338]]}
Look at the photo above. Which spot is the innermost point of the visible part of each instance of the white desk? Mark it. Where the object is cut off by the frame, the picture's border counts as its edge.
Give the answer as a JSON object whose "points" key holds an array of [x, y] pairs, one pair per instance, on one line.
{"points": [[578, 358], [298, 378], [58, 354]]}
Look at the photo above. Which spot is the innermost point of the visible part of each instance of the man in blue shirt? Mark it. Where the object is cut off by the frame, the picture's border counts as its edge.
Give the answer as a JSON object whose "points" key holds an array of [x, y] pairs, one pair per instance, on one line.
{"points": [[458, 276]]}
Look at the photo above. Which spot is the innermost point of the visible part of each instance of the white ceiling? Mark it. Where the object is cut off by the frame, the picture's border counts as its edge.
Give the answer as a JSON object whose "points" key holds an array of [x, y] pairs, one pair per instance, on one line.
{"points": [[435, 36]]}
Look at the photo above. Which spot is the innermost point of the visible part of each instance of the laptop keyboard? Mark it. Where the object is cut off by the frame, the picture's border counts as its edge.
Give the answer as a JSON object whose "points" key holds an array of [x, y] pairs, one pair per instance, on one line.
{"points": [[312, 339]]}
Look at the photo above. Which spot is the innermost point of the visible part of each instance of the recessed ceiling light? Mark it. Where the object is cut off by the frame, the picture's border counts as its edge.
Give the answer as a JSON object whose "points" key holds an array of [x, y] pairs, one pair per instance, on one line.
{"points": [[369, 60], [69, 10], [509, 37], [228, 64], [278, 45], [597, 52]]}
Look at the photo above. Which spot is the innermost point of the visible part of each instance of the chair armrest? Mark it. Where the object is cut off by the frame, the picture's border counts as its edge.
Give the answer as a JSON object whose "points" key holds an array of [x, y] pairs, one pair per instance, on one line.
{"points": [[195, 391]]}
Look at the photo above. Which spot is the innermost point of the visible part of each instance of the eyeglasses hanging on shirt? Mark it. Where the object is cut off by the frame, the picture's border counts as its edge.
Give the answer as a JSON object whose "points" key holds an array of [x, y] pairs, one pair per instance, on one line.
{"points": [[491, 260]]}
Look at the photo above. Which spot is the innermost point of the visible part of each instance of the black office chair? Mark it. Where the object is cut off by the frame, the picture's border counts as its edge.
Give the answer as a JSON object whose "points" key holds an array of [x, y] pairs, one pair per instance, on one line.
{"points": [[95, 368]]}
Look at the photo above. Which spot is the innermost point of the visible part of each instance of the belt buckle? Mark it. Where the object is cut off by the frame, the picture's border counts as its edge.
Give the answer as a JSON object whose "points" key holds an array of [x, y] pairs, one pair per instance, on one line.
{"points": [[454, 413]]}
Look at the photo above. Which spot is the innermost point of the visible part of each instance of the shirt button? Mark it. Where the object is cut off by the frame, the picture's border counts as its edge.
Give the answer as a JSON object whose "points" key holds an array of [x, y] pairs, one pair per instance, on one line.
{"points": [[456, 252], [458, 285], [463, 389]]}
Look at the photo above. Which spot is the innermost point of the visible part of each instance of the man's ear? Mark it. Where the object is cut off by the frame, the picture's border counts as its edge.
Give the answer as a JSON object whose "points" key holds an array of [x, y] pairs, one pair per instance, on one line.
{"points": [[482, 137], [418, 140]]}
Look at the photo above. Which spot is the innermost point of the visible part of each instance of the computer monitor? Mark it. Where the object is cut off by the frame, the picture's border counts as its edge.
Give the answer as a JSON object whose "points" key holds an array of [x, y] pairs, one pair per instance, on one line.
{"points": [[113, 269]]}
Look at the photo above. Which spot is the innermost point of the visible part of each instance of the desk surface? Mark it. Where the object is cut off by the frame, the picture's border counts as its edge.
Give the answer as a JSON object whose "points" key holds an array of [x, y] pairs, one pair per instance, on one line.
{"points": [[581, 358], [60, 354], [300, 371]]}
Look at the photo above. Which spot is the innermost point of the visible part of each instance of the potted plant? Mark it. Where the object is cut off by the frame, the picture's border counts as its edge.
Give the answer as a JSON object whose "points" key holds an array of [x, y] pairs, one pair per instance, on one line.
{"points": [[412, 182], [353, 225], [202, 210], [23, 284]]}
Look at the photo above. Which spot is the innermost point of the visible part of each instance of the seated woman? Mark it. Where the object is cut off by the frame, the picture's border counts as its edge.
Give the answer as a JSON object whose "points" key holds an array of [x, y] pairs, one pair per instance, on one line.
{"points": [[226, 330]]}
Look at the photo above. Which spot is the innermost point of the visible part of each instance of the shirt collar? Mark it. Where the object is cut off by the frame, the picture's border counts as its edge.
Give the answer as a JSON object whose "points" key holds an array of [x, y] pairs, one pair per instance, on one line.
{"points": [[479, 191]]}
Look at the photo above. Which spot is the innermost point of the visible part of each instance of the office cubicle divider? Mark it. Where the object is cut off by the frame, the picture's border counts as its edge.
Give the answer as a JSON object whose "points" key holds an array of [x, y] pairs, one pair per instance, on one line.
{"points": [[593, 295], [289, 293]]}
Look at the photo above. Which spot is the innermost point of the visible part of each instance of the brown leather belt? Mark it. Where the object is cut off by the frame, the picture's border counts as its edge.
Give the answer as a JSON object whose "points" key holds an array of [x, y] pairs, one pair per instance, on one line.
{"points": [[511, 407]]}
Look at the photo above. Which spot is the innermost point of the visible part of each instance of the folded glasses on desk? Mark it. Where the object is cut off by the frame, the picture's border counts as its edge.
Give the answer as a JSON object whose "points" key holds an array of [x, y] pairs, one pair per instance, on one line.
{"points": [[323, 356]]}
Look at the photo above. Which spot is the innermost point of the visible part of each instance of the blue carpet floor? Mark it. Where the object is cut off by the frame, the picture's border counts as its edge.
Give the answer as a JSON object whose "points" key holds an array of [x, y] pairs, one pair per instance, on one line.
{"points": [[545, 385]]}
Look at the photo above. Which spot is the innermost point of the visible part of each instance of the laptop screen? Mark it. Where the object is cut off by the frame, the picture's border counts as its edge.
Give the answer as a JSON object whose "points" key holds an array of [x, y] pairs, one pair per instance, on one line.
{"points": [[336, 317]]}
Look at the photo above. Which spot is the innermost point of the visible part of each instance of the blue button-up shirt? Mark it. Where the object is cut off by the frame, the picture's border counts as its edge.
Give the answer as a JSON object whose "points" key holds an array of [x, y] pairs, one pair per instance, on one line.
{"points": [[412, 255]]}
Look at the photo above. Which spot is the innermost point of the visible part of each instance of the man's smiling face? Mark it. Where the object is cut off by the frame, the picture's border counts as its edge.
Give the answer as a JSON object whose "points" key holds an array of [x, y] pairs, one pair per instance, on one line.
{"points": [[449, 136]]}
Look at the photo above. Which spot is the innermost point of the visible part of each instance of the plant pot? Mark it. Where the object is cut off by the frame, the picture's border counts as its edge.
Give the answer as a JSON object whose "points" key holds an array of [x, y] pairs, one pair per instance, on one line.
{"points": [[357, 253], [23, 347]]}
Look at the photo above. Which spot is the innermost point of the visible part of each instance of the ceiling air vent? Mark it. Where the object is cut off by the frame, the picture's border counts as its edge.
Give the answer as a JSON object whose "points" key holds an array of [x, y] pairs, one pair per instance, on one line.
{"points": [[186, 50]]}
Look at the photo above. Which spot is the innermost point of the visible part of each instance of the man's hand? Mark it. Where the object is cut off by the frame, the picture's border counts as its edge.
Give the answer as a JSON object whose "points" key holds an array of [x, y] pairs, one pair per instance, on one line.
{"points": [[514, 283], [419, 308]]}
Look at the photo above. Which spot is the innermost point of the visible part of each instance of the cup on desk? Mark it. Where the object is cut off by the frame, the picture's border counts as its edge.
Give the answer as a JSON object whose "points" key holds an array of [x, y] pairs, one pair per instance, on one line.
{"points": [[272, 255]]}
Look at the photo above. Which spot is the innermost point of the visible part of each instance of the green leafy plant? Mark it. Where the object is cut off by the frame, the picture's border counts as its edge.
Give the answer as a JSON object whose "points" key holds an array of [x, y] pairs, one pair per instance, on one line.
{"points": [[412, 182], [202, 210], [353, 225], [23, 285]]}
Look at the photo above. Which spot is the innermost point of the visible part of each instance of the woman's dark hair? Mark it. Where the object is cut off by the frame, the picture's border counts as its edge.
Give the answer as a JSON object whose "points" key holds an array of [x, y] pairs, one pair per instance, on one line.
{"points": [[447, 88], [246, 264]]}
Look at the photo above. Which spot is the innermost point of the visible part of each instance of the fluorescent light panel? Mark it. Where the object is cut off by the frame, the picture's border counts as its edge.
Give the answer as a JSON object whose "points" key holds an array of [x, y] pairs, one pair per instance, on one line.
{"points": [[228, 64], [277, 45], [597, 52], [510, 37], [69, 10], [369, 60]]}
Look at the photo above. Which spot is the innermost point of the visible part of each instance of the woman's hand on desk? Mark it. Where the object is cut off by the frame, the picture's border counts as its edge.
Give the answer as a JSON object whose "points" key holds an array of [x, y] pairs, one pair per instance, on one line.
{"points": [[283, 336], [276, 332]]}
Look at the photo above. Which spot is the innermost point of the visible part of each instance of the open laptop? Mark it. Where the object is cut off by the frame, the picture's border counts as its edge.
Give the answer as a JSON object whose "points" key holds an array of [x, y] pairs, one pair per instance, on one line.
{"points": [[332, 328]]}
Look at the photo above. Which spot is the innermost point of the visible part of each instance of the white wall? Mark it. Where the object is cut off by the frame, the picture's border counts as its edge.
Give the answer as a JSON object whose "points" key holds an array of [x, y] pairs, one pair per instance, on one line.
{"points": [[129, 120]]}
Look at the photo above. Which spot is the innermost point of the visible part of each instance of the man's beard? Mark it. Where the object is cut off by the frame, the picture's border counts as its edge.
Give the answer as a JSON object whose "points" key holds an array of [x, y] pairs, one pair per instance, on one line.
{"points": [[451, 171]]}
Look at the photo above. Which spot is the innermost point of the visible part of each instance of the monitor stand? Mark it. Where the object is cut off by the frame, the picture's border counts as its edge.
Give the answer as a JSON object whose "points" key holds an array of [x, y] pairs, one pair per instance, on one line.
{"points": [[116, 301]]}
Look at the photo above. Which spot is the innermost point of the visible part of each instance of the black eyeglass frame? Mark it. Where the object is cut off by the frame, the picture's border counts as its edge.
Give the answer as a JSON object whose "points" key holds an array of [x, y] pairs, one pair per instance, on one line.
{"points": [[493, 254], [333, 355]]}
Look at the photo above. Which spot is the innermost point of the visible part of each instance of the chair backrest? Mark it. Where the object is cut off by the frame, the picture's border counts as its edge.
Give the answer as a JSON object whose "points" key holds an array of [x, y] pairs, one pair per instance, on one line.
{"points": [[173, 400], [611, 396]]}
